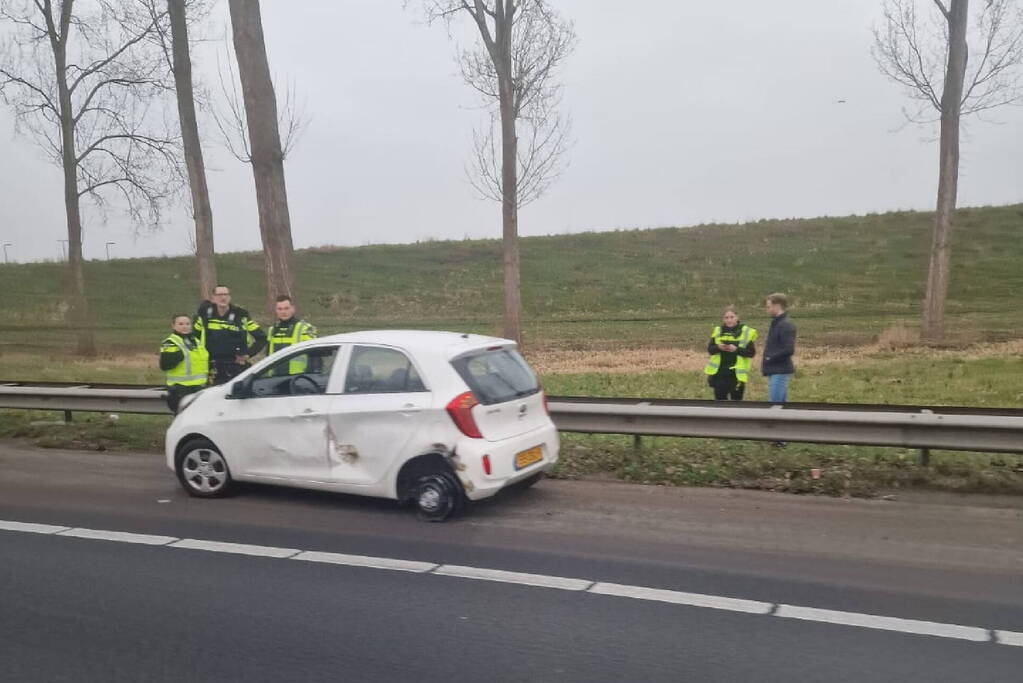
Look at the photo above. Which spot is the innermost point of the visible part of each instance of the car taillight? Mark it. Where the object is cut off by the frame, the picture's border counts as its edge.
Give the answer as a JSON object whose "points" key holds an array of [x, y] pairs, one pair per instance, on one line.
{"points": [[486, 465], [460, 410]]}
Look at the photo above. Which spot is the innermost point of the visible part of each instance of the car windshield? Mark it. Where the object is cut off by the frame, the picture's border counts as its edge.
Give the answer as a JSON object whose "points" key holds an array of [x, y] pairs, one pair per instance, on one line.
{"points": [[497, 375]]}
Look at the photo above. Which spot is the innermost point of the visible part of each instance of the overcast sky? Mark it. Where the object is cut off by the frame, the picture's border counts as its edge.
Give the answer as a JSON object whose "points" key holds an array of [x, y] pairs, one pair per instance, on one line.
{"points": [[684, 112]]}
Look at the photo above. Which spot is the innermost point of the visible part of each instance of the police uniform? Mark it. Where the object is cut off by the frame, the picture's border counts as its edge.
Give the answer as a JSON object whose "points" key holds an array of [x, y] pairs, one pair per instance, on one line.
{"points": [[728, 371], [227, 336], [285, 333], [186, 362]]}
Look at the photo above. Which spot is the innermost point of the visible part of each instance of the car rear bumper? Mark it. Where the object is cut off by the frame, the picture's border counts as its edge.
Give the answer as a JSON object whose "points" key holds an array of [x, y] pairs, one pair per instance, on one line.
{"points": [[469, 460]]}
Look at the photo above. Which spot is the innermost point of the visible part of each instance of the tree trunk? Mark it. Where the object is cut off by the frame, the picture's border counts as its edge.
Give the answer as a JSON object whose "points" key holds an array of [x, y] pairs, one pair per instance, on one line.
{"points": [[510, 224], [79, 305], [206, 267], [503, 30], [265, 145], [933, 327]]}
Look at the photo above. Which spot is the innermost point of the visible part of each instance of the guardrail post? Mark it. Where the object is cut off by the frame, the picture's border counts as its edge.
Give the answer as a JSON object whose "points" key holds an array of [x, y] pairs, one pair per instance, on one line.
{"points": [[67, 416], [925, 457], [637, 442]]}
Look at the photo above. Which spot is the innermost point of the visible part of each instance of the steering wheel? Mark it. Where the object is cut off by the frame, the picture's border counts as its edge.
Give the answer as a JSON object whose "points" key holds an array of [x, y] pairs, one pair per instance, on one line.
{"points": [[302, 385]]}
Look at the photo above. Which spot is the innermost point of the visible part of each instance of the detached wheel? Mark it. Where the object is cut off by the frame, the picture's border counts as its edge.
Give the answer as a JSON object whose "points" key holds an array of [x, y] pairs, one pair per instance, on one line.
{"points": [[202, 470], [437, 496]]}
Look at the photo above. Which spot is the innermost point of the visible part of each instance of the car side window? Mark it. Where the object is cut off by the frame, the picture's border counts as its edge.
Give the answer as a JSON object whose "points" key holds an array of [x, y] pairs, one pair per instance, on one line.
{"points": [[377, 370], [297, 374]]}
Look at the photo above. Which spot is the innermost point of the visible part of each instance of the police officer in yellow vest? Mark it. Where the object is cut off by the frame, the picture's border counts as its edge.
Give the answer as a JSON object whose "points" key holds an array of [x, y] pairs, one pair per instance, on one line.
{"points": [[731, 352], [185, 360], [289, 330]]}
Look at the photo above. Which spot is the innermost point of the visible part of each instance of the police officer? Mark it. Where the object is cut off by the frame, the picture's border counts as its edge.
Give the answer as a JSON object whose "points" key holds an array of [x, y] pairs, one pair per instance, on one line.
{"points": [[229, 334], [289, 330], [185, 360], [731, 352]]}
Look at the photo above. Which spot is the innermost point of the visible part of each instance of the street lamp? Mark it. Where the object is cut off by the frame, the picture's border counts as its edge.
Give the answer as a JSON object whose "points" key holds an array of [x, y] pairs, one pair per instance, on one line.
{"points": [[108, 249], [7, 244]]}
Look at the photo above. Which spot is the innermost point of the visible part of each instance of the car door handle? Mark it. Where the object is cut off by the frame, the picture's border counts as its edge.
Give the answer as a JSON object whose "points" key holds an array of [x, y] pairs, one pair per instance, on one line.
{"points": [[410, 409]]}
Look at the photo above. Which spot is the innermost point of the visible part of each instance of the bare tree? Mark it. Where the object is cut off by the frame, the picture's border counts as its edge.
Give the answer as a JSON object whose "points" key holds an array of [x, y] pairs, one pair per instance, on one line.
{"points": [[229, 117], [267, 156], [522, 43], [202, 212], [86, 83], [929, 55]]}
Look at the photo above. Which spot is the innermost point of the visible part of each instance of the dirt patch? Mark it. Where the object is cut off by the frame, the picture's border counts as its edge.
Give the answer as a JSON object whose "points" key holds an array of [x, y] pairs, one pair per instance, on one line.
{"points": [[569, 361]]}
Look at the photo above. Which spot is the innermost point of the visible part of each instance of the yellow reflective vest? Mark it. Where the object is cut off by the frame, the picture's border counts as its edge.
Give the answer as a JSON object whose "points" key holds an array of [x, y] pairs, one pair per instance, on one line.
{"points": [[281, 336], [194, 368], [743, 364]]}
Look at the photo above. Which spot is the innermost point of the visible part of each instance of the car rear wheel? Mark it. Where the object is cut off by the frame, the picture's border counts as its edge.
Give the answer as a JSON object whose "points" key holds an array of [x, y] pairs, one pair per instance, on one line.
{"points": [[202, 470], [437, 496]]}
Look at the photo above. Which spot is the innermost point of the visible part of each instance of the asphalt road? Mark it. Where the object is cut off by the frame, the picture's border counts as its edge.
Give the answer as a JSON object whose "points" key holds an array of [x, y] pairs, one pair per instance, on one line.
{"points": [[82, 609]]}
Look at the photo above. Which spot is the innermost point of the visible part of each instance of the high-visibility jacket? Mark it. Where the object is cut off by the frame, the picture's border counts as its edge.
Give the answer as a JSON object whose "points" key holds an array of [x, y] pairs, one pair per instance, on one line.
{"points": [[287, 333], [194, 368], [746, 336]]}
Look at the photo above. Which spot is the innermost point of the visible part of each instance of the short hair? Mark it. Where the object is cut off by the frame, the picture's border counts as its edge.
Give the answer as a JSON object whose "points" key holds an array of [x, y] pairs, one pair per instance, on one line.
{"points": [[284, 297], [780, 299], [730, 309], [218, 286], [174, 318]]}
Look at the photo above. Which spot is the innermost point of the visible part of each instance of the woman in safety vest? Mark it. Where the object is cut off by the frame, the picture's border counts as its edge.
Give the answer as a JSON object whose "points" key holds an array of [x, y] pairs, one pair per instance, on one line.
{"points": [[185, 360], [731, 355]]}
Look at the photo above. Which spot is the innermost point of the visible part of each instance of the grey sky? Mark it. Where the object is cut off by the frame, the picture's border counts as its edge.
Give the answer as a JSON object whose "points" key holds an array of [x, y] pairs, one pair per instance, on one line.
{"points": [[684, 112]]}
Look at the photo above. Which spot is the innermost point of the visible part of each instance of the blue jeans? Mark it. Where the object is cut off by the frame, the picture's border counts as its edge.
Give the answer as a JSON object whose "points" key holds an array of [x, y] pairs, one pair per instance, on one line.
{"points": [[778, 388]]}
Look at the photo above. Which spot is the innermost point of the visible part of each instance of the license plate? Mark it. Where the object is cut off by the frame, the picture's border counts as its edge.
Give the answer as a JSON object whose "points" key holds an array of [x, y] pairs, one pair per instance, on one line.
{"points": [[527, 458]]}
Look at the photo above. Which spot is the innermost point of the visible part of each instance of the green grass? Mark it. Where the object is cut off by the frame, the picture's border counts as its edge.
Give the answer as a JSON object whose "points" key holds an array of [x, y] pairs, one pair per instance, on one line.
{"points": [[849, 278], [887, 377]]}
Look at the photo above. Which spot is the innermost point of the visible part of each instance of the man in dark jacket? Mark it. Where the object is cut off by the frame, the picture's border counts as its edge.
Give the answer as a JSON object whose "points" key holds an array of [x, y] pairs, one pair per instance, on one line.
{"points": [[229, 334], [779, 349]]}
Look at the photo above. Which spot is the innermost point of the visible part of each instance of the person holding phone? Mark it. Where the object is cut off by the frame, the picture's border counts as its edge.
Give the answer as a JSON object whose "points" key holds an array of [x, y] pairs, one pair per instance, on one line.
{"points": [[731, 350]]}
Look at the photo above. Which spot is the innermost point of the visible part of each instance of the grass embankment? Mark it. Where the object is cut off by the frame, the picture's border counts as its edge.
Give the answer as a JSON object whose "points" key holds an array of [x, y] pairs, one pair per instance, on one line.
{"points": [[849, 278], [621, 313]]}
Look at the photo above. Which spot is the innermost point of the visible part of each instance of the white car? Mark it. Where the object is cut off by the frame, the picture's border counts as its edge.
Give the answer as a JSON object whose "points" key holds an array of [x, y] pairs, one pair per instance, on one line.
{"points": [[431, 417]]}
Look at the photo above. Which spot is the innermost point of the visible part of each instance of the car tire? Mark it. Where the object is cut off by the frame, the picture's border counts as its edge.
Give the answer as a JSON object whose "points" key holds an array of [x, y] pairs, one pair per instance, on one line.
{"points": [[437, 496], [528, 482], [202, 470]]}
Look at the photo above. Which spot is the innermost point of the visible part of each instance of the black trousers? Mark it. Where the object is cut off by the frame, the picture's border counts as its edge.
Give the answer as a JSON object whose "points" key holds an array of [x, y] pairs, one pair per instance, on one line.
{"points": [[225, 370], [726, 387], [176, 392]]}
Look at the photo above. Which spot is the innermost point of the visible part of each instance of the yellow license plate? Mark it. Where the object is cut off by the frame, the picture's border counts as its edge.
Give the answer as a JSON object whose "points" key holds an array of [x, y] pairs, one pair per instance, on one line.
{"points": [[527, 458]]}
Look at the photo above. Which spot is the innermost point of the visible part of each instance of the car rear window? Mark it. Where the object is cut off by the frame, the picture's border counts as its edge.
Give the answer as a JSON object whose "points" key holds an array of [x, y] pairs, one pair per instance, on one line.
{"points": [[497, 375]]}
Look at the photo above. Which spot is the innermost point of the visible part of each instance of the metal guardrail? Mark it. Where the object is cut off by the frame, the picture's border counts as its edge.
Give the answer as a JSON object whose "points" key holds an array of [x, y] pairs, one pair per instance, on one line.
{"points": [[917, 427]]}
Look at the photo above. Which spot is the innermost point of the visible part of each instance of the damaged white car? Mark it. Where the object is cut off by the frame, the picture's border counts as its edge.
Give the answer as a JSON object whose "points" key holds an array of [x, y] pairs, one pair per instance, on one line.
{"points": [[430, 417]]}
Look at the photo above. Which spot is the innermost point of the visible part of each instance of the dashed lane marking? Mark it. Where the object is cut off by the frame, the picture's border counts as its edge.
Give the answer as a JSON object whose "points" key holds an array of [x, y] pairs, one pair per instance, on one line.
{"points": [[719, 602]]}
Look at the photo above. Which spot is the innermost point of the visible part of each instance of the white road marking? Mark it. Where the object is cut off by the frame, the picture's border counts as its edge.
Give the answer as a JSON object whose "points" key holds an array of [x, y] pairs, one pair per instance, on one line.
{"points": [[365, 561], [1009, 638], [541, 580], [856, 619], [119, 536], [924, 628], [31, 528], [680, 598], [236, 548]]}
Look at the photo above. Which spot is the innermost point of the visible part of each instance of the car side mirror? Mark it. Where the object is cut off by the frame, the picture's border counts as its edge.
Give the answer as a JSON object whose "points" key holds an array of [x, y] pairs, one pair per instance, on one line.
{"points": [[241, 389]]}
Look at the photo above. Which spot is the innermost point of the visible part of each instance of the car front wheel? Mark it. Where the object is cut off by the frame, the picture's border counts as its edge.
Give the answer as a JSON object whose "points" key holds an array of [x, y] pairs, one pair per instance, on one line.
{"points": [[202, 470], [437, 496]]}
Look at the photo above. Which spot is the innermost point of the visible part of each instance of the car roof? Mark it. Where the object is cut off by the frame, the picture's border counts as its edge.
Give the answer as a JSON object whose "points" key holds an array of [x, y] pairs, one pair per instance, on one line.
{"points": [[449, 343]]}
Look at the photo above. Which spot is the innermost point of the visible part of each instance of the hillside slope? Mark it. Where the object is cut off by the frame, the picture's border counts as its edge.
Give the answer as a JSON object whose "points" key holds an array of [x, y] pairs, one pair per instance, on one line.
{"points": [[849, 278]]}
